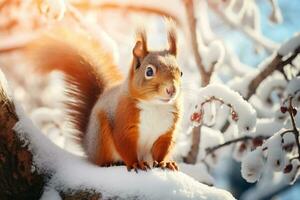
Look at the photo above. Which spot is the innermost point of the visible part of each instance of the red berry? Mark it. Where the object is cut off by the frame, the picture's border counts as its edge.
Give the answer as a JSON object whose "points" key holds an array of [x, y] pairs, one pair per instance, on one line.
{"points": [[283, 109], [234, 116], [288, 147], [288, 168], [196, 117], [242, 147], [257, 142], [294, 111]]}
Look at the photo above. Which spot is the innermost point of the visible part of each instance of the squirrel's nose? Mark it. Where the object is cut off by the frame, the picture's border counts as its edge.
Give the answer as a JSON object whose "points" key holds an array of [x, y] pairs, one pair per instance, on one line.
{"points": [[171, 90]]}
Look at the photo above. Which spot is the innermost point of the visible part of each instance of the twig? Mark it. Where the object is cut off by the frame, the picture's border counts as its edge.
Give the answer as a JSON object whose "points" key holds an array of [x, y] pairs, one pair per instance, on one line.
{"points": [[211, 150]]}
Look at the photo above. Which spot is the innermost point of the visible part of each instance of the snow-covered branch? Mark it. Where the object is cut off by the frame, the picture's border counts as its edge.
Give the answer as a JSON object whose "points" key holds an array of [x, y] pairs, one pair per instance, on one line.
{"points": [[205, 74], [247, 20], [286, 54]]}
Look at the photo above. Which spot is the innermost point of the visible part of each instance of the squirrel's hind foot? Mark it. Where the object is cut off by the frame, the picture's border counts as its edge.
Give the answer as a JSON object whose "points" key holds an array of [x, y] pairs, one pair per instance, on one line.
{"points": [[142, 165]]}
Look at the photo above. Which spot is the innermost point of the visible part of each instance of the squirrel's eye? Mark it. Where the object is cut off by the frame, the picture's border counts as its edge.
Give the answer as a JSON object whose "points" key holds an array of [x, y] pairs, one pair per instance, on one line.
{"points": [[150, 71], [181, 73]]}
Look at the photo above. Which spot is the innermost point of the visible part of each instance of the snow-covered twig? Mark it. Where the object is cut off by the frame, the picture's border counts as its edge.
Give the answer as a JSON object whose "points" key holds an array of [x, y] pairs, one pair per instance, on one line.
{"points": [[211, 150], [192, 23]]}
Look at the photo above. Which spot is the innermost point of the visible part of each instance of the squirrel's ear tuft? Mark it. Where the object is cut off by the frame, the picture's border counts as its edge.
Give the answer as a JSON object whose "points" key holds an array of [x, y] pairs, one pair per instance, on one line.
{"points": [[140, 49], [172, 37]]}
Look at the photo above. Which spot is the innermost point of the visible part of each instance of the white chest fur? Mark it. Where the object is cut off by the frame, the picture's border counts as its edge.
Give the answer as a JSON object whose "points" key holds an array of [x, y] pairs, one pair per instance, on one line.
{"points": [[155, 120]]}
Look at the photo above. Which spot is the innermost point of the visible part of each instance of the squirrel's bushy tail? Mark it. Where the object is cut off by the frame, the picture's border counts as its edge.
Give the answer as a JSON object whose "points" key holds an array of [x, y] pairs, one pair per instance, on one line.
{"points": [[88, 70]]}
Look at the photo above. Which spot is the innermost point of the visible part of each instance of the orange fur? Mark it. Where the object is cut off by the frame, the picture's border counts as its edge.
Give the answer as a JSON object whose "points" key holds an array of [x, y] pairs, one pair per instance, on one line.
{"points": [[106, 144], [126, 131]]}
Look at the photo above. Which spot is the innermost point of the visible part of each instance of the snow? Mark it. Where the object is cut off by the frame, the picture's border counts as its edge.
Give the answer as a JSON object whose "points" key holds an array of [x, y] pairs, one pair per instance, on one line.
{"points": [[270, 84], [241, 84], [275, 154], [209, 138], [294, 173], [289, 46], [240, 150], [70, 171], [267, 185], [266, 127], [213, 54], [252, 165], [50, 194], [198, 171], [293, 89]]}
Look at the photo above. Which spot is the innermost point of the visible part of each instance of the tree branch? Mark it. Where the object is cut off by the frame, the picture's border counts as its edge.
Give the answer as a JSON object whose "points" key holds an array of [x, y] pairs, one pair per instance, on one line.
{"points": [[192, 22]]}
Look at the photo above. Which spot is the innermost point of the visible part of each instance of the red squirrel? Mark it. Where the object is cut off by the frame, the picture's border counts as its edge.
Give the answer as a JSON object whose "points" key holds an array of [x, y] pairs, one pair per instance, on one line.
{"points": [[133, 120]]}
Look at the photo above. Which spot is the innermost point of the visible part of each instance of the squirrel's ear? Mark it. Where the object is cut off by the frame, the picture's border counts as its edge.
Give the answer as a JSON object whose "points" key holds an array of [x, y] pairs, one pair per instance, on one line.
{"points": [[140, 49], [172, 38]]}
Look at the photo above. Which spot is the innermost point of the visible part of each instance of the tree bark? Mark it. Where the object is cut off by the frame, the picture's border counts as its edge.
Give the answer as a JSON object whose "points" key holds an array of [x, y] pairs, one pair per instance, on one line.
{"points": [[17, 181]]}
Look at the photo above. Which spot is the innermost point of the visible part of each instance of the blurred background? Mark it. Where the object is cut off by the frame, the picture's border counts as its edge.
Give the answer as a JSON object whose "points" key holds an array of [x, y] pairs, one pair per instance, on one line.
{"points": [[237, 35]]}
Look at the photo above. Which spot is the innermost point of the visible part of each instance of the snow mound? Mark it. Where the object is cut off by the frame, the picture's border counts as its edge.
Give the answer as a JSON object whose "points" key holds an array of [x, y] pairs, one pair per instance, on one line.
{"points": [[74, 172]]}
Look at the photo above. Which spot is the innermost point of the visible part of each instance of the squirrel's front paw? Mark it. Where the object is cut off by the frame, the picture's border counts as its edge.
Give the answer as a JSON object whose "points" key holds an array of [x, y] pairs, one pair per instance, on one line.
{"points": [[166, 165], [142, 165]]}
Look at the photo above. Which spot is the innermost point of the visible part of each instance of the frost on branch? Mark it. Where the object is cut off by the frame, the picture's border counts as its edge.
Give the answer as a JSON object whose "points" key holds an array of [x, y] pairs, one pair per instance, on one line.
{"points": [[241, 111]]}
